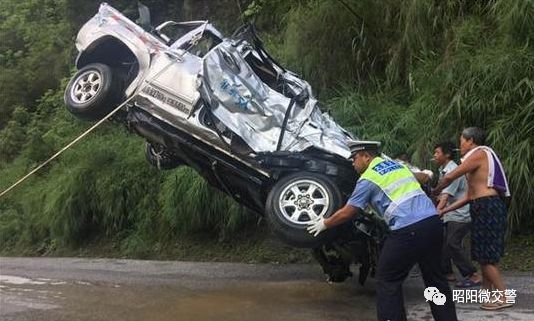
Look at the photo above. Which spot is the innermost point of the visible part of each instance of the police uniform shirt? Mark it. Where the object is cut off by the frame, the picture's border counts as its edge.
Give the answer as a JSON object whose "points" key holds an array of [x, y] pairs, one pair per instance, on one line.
{"points": [[408, 212]]}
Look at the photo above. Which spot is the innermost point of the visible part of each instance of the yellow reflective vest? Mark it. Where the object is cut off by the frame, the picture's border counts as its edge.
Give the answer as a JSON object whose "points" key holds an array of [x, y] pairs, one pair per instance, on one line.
{"points": [[395, 180]]}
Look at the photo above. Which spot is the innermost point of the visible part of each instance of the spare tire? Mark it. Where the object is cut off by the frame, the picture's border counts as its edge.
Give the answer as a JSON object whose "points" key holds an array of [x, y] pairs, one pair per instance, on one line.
{"points": [[295, 200], [93, 92]]}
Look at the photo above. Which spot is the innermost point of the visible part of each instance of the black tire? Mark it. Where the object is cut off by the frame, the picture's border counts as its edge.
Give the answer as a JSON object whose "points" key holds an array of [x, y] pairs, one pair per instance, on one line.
{"points": [[159, 157], [291, 226], [93, 92]]}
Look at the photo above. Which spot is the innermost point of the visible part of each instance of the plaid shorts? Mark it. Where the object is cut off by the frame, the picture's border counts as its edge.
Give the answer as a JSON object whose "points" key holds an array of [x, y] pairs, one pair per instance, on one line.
{"points": [[488, 229]]}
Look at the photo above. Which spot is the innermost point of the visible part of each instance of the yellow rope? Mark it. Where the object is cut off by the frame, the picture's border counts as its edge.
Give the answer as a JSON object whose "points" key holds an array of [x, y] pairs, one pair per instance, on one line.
{"points": [[66, 147]]}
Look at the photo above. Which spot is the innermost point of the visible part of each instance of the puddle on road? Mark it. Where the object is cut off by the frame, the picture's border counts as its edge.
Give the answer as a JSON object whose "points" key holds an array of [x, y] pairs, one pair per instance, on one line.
{"points": [[247, 301], [259, 301], [271, 301], [19, 294], [11, 279], [24, 299]]}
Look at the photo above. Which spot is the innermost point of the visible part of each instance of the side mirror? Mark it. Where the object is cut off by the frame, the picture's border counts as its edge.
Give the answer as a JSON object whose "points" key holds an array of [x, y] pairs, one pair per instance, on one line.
{"points": [[144, 16]]}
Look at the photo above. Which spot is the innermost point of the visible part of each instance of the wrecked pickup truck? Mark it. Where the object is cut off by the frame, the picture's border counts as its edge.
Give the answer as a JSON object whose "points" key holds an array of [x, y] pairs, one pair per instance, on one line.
{"points": [[226, 108]]}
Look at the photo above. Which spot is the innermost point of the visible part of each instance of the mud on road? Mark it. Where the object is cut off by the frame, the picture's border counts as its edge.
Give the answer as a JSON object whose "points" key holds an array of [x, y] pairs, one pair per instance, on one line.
{"points": [[106, 289]]}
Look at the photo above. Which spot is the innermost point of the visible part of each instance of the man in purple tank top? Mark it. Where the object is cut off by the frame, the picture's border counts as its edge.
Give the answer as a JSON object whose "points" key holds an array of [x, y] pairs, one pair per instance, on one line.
{"points": [[486, 186]]}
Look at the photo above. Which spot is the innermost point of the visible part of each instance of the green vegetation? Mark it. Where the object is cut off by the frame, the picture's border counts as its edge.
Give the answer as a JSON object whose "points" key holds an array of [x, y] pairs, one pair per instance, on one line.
{"points": [[408, 73], [518, 254]]}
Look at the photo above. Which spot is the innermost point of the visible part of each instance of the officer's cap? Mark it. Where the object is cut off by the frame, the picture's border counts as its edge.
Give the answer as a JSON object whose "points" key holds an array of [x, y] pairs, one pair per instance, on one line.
{"points": [[361, 145]]}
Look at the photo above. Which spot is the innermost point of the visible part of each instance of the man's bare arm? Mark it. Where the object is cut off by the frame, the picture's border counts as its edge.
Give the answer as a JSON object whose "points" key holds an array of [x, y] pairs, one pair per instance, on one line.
{"points": [[341, 216], [443, 198], [469, 165], [456, 205]]}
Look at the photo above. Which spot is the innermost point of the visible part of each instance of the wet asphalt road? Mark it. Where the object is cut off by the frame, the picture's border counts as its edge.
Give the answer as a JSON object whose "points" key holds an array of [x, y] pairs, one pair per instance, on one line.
{"points": [[106, 289]]}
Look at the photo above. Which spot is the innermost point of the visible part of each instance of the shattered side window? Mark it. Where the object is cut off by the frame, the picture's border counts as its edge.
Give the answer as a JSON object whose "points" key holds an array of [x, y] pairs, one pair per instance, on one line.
{"points": [[177, 32], [201, 47]]}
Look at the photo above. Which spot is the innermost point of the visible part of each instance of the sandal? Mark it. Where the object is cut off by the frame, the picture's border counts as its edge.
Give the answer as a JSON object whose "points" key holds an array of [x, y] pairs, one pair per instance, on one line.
{"points": [[467, 283], [495, 305]]}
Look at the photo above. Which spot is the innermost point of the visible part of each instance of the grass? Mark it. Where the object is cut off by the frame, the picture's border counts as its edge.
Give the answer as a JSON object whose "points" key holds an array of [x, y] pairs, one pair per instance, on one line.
{"points": [[256, 247], [518, 254]]}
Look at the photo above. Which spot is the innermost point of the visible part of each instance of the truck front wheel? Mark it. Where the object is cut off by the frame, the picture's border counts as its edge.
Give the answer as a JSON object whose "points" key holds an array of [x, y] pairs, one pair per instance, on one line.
{"points": [[93, 92]]}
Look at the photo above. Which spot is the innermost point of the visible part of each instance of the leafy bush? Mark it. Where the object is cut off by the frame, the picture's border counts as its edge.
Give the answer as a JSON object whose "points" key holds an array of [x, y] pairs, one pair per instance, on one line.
{"points": [[407, 73]]}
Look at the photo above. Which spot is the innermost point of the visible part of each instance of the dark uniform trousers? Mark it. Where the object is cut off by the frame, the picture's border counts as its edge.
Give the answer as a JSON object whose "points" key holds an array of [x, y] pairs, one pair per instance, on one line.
{"points": [[419, 243]]}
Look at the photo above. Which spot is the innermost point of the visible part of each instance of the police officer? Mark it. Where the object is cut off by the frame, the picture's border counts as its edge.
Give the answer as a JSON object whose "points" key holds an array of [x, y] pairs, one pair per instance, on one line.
{"points": [[416, 230]]}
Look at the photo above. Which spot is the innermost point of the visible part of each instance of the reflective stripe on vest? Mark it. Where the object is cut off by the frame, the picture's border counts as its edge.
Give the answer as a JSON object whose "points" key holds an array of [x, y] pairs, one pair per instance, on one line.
{"points": [[395, 180]]}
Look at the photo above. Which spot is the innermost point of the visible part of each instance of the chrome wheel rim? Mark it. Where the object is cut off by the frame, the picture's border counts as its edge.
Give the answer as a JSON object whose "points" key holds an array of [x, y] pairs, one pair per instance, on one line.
{"points": [[86, 87], [302, 201]]}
